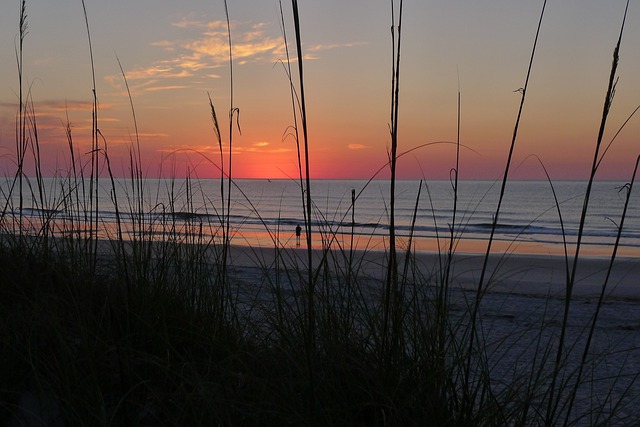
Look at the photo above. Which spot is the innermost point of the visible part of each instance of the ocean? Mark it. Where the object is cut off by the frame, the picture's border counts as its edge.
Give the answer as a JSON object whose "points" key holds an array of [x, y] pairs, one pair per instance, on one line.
{"points": [[266, 212]]}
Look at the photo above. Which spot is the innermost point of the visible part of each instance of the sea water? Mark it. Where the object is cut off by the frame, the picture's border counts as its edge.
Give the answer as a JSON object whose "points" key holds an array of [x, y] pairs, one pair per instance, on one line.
{"points": [[533, 214]]}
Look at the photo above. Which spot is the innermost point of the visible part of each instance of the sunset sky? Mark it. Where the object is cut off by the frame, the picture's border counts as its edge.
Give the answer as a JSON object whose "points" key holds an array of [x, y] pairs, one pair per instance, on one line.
{"points": [[175, 53]]}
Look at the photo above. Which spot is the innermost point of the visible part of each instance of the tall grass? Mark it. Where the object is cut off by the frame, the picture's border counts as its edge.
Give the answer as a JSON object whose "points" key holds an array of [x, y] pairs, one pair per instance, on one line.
{"points": [[301, 136], [391, 323], [151, 323], [571, 278]]}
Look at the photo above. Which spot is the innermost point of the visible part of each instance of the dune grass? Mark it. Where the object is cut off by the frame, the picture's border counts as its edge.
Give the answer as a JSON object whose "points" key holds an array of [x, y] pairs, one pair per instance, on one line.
{"points": [[120, 327]]}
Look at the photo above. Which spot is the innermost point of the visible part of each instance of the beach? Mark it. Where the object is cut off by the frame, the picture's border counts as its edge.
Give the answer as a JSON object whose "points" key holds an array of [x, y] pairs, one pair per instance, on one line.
{"points": [[521, 311], [519, 315], [518, 312], [515, 273]]}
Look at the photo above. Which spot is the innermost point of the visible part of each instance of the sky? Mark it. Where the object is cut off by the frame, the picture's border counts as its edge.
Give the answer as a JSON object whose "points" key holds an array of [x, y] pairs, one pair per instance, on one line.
{"points": [[175, 55]]}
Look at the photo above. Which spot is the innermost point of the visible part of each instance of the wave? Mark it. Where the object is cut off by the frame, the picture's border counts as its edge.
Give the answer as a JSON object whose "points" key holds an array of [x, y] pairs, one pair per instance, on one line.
{"points": [[541, 231]]}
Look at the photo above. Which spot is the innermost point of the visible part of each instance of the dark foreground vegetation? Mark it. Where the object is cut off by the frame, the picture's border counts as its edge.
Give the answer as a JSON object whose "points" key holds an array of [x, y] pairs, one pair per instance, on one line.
{"points": [[82, 348]]}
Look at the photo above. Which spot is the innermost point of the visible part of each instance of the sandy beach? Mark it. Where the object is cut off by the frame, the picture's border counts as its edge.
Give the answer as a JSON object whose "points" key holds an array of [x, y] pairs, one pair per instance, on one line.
{"points": [[520, 315], [522, 310], [526, 274]]}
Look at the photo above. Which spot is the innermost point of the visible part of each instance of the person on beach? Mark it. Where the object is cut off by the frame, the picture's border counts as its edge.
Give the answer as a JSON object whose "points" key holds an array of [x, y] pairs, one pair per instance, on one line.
{"points": [[298, 232]]}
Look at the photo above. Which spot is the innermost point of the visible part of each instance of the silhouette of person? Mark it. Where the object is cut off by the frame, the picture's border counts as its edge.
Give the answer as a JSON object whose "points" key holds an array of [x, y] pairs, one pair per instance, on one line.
{"points": [[298, 232]]}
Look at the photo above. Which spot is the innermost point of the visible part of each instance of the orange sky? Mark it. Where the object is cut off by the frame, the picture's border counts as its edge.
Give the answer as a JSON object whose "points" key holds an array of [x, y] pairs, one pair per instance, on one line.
{"points": [[174, 57]]}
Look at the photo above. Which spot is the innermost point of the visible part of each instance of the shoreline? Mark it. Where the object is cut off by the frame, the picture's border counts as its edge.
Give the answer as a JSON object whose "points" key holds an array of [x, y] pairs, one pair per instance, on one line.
{"points": [[463, 244]]}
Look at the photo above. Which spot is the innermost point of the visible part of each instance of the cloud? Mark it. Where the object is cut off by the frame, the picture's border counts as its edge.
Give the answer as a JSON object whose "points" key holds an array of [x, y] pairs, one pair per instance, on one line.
{"points": [[159, 88], [320, 47], [185, 148], [356, 146], [57, 106], [164, 69], [311, 52], [153, 135], [203, 48], [216, 50], [53, 115], [219, 25], [210, 47], [261, 147], [68, 105]]}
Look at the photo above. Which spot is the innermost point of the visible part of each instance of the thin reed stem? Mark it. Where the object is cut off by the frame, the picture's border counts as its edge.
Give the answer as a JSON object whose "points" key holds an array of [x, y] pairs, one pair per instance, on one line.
{"points": [[21, 131], [311, 315], [443, 291], [481, 281], [137, 183], [390, 323], [94, 208], [232, 112], [608, 100]]}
